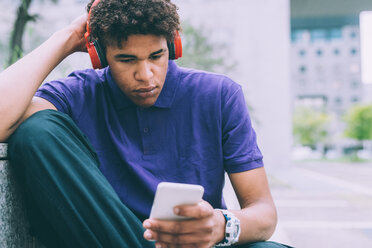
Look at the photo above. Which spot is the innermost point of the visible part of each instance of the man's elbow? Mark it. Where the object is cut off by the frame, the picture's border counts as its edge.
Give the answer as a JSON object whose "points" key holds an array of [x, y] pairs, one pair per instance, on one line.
{"points": [[7, 130], [4, 135], [270, 224], [272, 221]]}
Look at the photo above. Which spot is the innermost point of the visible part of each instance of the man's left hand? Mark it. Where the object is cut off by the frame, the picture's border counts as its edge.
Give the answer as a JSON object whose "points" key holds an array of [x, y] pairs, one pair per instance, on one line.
{"points": [[206, 227]]}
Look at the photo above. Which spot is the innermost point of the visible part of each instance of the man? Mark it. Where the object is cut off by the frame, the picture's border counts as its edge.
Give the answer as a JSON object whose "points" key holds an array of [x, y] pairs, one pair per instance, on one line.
{"points": [[91, 148]]}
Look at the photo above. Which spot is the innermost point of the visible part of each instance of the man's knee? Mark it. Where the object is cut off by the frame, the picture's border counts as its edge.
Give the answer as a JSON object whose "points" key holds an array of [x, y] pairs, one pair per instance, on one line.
{"points": [[47, 135], [34, 132]]}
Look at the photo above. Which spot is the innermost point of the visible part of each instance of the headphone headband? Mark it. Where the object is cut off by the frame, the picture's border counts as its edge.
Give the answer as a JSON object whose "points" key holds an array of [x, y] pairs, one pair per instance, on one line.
{"points": [[87, 34], [97, 54]]}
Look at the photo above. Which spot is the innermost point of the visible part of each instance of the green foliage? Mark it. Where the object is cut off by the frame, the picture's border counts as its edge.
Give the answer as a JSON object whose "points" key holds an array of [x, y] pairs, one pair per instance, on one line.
{"points": [[3, 51], [17, 52], [22, 18], [310, 126], [359, 122], [200, 52]]}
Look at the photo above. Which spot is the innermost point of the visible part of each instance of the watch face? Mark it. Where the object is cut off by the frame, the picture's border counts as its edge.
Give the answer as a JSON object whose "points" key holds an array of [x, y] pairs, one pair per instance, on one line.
{"points": [[236, 230]]}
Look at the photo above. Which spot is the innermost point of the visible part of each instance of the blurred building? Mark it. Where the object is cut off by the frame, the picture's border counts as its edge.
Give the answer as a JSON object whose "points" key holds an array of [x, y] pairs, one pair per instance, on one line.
{"points": [[325, 55], [326, 64]]}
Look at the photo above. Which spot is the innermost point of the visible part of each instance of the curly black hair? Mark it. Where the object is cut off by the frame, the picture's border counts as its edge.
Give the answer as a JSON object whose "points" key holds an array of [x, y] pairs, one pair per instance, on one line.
{"points": [[115, 20]]}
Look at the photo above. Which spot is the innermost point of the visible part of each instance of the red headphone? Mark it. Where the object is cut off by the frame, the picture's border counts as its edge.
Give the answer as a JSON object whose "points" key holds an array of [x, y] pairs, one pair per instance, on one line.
{"points": [[97, 54]]}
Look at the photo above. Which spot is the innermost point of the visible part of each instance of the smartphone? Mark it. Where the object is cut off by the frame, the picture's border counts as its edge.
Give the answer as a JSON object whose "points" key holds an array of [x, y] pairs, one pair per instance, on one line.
{"points": [[168, 195]]}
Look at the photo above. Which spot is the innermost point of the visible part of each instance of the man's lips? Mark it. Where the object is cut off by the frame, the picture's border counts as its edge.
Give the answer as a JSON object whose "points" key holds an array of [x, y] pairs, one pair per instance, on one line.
{"points": [[146, 89], [146, 92]]}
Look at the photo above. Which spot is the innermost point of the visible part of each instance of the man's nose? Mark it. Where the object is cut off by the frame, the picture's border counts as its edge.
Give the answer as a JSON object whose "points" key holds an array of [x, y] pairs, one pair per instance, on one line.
{"points": [[144, 71]]}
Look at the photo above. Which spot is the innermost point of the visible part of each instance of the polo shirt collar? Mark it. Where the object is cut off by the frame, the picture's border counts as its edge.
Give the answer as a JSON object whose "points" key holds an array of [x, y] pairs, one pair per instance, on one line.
{"points": [[171, 83], [165, 98]]}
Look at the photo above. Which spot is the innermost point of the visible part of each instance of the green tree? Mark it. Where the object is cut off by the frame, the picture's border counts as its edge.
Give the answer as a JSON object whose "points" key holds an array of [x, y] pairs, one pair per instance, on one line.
{"points": [[22, 18], [201, 53], [310, 127], [359, 122]]}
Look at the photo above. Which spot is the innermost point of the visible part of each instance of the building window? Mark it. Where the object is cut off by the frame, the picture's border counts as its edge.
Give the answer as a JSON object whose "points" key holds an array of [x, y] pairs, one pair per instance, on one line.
{"points": [[336, 51], [335, 33], [318, 34], [319, 52], [302, 69], [302, 53], [353, 34], [354, 84], [353, 51], [299, 35], [338, 100], [355, 99]]}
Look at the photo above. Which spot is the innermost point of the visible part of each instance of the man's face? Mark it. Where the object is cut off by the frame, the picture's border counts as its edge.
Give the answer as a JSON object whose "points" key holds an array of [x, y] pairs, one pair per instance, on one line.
{"points": [[139, 67]]}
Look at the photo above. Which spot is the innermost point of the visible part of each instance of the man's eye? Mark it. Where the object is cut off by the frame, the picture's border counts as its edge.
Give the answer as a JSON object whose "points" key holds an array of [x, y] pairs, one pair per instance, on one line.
{"points": [[155, 57], [126, 60]]}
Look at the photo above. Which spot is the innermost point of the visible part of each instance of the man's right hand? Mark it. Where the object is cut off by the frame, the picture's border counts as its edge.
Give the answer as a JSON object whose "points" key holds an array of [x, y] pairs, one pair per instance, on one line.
{"points": [[78, 28]]}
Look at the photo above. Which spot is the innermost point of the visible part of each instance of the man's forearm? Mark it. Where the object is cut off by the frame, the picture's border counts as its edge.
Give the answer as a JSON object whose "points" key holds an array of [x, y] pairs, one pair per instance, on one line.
{"points": [[258, 222]]}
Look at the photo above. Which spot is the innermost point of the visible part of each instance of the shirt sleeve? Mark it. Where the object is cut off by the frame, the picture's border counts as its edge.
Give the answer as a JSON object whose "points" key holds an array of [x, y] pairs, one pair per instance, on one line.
{"points": [[66, 94], [240, 149]]}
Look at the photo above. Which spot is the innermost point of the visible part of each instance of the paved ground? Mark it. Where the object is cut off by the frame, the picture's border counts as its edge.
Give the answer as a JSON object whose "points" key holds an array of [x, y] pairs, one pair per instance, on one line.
{"points": [[323, 204]]}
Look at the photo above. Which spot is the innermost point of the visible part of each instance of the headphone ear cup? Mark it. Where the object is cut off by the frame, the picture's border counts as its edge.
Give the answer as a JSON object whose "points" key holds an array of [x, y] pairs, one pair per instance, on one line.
{"points": [[101, 53], [96, 63], [175, 47], [97, 55]]}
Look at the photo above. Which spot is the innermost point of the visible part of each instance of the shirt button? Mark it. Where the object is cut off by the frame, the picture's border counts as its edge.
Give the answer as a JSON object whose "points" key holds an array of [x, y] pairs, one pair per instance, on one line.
{"points": [[145, 130]]}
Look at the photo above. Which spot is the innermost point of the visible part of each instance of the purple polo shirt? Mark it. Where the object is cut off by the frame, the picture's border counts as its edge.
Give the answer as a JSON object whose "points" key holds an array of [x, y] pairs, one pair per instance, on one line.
{"points": [[198, 128]]}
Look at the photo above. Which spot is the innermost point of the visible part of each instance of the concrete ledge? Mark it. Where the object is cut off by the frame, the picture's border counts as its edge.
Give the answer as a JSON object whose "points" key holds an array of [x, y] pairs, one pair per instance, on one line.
{"points": [[3, 151], [14, 228]]}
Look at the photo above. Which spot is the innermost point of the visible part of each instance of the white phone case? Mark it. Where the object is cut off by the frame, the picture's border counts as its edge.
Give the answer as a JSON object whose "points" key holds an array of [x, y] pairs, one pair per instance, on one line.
{"points": [[168, 195]]}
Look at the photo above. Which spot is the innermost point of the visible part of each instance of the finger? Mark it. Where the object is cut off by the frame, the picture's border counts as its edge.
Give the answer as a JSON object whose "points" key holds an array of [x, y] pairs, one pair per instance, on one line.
{"points": [[201, 210], [175, 227], [181, 232], [80, 20], [180, 227], [199, 245], [78, 26], [149, 235], [181, 239]]}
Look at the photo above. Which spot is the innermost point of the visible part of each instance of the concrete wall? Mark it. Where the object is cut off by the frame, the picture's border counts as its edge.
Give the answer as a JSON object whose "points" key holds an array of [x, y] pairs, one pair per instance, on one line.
{"points": [[258, 35], [14, 229]]}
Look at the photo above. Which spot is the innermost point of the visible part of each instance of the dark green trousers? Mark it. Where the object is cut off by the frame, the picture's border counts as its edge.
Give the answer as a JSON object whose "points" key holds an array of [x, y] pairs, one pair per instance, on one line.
{"points": [[69, 202], [266, 244]]}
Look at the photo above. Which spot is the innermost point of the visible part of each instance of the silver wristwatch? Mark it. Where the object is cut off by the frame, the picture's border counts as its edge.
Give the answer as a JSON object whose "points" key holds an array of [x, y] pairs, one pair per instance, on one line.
{"points": [[232, 229]]}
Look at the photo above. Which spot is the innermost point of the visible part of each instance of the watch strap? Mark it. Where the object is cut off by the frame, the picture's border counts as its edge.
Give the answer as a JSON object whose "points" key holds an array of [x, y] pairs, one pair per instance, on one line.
{"points": [[232, 229]]}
